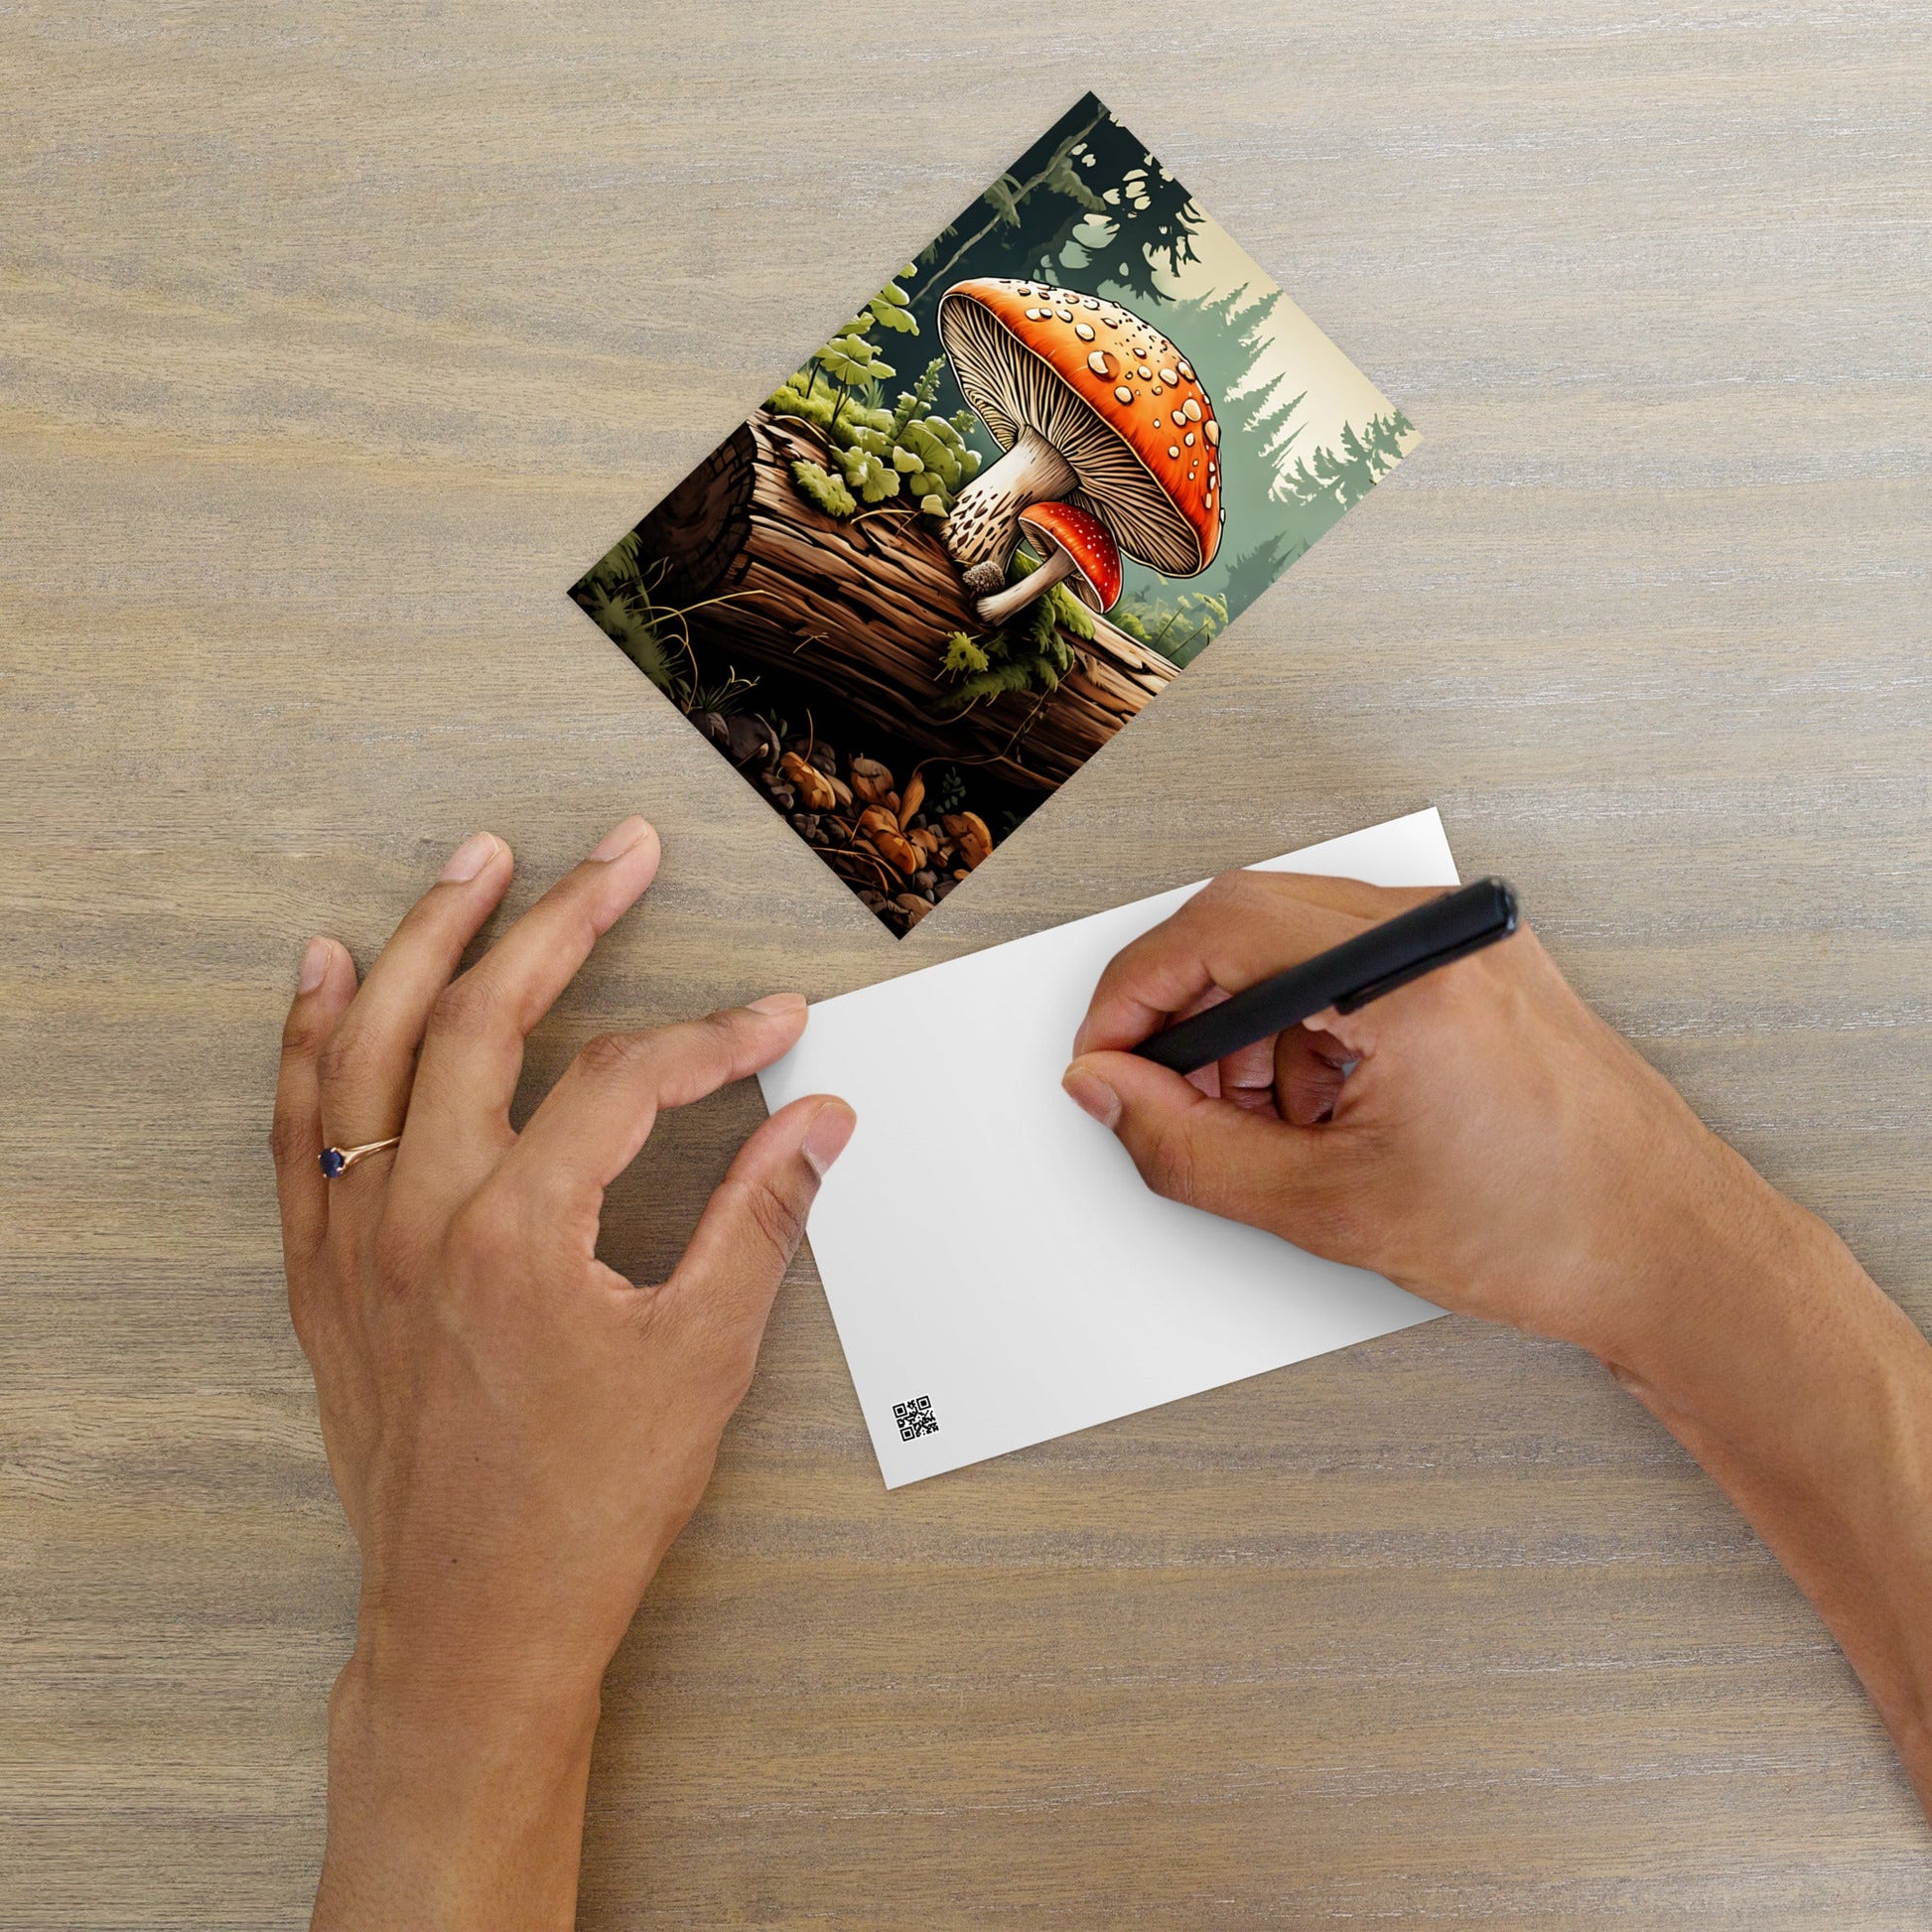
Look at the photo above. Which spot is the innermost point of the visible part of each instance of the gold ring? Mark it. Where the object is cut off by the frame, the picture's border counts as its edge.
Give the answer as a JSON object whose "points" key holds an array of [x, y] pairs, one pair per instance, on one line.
{"points": [[336, 1161]]}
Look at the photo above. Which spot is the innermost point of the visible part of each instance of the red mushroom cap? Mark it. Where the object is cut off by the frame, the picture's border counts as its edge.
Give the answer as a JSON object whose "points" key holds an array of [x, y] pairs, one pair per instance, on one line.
{"points": [[1089, 548], [1112, 394]]}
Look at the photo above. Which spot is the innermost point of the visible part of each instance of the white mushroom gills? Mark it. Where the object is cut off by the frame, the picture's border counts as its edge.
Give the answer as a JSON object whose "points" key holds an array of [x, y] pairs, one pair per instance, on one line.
{"points": [[1076, 422]]}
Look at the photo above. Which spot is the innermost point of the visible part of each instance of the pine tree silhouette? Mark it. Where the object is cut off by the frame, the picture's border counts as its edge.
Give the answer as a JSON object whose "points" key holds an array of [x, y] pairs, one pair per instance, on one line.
{"points": [[1366, 456]]}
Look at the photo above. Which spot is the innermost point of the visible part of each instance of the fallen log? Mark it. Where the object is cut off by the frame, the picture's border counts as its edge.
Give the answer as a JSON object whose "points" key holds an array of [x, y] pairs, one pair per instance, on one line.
{"points": [[863, 609]]}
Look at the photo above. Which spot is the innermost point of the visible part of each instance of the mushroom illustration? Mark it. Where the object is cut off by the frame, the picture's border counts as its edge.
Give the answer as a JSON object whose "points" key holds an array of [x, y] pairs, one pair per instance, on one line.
{"points": [[1094, 407], [1072, 543]]}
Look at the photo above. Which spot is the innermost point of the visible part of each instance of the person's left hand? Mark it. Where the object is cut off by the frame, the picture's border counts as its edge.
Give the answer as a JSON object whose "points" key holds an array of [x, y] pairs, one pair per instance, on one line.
{"points": [[516, 1432]]}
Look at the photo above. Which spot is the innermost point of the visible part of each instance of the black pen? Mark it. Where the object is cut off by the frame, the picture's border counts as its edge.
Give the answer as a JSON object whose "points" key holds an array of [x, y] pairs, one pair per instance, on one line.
{"points": [[1345, 976]]}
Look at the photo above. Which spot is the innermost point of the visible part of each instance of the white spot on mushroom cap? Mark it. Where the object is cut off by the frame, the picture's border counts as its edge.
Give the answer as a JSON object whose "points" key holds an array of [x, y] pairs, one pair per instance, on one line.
{"points": [[1146, 374], [1122, 393], [1065, 315], [1174, 448], [1192, 408], [1188, 439], [1084, 333], [1186, 369], [1097, 362], [1169, 377], [1212, 432]]}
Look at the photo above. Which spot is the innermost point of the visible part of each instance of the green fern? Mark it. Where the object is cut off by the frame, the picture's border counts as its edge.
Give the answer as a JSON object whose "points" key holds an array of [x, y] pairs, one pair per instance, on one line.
{"points": [[1030, 652], [994, 682], [964, 658], [916, 400], [625, 619]]}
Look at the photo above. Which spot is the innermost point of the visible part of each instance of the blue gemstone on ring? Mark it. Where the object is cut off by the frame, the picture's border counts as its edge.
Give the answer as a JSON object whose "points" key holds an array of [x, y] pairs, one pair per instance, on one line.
{"points": [[331, 1162]]}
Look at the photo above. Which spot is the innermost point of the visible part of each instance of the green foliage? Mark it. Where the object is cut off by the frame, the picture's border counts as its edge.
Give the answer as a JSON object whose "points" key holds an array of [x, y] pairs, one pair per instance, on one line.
{"points": [[617, 595], [1029, 652], [889, 309], [964, 658], [879, 454], [867, 475], [1070, 613], [850, 359], [1180, 631], [917, 400], [824, 491], [945, 786]]}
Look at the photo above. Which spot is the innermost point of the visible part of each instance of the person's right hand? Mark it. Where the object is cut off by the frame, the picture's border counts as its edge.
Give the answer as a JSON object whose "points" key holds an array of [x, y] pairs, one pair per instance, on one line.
{"points": [[1480, 1135]]}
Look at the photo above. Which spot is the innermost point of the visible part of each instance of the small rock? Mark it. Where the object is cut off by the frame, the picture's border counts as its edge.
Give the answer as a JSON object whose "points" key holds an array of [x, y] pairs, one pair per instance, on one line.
{"points": [[747, 739]]}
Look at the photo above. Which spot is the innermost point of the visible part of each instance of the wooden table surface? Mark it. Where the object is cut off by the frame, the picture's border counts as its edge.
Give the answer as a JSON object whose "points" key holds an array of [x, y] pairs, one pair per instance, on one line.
{"points": [[336, 339]]}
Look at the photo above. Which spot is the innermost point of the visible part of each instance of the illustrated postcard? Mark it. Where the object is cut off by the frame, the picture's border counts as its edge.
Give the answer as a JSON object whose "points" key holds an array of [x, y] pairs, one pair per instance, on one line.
{"points": [[995, 515]]}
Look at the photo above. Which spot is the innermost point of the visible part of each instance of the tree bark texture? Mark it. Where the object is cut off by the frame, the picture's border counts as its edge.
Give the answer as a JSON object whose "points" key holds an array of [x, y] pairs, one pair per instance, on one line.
{"points": [[864, 607]]}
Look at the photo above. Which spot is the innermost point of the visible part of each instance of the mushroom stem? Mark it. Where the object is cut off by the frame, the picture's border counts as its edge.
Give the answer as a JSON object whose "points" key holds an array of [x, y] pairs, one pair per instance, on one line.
{"points": [[984, 524], [1015, 596]]}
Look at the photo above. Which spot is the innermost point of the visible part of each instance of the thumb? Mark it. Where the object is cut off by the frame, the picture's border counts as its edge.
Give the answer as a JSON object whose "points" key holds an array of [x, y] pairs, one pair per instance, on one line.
{"points": [[745, 1240], [1210, 1153]]}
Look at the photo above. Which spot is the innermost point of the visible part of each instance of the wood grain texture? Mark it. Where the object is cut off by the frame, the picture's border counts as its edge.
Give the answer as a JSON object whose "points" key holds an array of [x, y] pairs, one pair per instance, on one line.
{"points": [[336, 340]]}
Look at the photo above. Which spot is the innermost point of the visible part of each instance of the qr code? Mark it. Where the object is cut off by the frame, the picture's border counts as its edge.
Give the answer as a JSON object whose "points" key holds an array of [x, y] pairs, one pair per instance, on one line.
{"points": [[915, 1419]]}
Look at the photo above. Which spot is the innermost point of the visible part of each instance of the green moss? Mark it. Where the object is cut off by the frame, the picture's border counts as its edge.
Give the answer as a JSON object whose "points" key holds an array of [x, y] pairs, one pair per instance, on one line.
{"points": [[824, 491], [1029, 652]]}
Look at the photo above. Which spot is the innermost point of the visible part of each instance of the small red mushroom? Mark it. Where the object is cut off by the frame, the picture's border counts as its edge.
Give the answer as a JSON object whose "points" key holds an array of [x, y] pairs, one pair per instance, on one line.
{"points": [[1073, 544]]}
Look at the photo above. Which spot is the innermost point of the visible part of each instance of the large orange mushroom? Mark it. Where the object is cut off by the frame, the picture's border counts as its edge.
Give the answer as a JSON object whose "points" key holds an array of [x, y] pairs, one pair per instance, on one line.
{"points": [[1093, 407]]}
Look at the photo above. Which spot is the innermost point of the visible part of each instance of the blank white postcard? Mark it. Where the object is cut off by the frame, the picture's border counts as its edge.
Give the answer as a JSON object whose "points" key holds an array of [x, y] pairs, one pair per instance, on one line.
{"points": [[1067, 1294]]}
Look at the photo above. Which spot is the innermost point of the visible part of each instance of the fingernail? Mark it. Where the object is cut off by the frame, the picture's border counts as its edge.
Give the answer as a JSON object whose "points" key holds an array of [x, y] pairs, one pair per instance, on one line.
{"points": [[775, 1002], [1092, 1095], [469, 859], [619, 839], [315, 966], [826, 1136]]}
